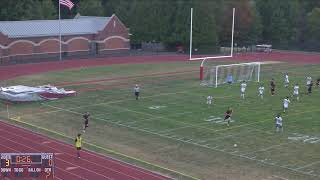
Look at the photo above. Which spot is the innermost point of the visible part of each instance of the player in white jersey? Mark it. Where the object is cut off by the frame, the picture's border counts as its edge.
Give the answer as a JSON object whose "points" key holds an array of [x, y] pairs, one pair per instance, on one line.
{"points": [[296, 91], [309, 79], [243, 86], [136, 90], [286, 80], [261, 91], [209, 100], [286, 102], [279, 124]]}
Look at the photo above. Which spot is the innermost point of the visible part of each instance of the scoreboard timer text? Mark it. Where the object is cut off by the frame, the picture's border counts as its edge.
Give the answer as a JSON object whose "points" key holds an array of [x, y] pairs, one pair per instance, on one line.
{"points": [[34, 165]]}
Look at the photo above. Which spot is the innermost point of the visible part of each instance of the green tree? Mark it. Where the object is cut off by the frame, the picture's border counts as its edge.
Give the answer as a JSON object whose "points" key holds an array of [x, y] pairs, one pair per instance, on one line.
{"points": [[90, 8], [44, 10], [205, 30], [313, 29]]}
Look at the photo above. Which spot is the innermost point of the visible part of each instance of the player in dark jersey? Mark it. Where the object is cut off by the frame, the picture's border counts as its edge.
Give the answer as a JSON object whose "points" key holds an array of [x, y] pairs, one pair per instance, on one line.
{"points": [[272, 86], [310, 87], [228, 115], [86, 121]]}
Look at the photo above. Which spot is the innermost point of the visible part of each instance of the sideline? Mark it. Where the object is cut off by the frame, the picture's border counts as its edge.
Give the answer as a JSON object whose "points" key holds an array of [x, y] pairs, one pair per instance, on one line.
{"points": [[106, 150]]}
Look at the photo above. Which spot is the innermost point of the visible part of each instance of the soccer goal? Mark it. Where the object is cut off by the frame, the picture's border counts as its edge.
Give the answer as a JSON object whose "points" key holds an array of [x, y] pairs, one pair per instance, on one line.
{"points": [[191, 58], [214, 75]]}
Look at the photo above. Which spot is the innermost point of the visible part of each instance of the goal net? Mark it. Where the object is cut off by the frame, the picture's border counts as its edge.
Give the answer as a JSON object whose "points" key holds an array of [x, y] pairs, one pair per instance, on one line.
{"points": [[214, 75]]}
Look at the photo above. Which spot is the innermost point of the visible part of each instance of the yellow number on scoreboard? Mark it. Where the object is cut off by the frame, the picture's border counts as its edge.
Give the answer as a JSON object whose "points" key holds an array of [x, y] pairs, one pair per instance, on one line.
{"points": [[7, 162]]}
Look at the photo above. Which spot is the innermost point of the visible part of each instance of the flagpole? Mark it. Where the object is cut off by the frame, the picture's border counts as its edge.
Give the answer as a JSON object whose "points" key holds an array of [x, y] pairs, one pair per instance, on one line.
{"points": [[59, 33]]}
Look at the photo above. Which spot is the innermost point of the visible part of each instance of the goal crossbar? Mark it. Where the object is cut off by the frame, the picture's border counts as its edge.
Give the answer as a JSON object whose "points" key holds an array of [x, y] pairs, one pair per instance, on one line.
{"points": [[253, 68]]}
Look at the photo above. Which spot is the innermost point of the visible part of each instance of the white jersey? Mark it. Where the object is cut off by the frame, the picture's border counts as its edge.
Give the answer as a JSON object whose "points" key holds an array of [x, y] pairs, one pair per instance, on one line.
{"points": [[243, 87], [209, 99], [136, 89], [261, 90], [279, 121], [286, 103], [296, 90], [286, 78], [309, 79]]}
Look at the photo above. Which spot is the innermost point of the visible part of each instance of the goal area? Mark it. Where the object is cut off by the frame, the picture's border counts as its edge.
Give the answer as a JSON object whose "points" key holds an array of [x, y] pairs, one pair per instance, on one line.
{"points": [[213, 75]]}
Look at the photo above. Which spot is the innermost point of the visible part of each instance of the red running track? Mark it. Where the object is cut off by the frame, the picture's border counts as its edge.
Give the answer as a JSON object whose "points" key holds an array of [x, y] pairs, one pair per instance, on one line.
{"points": [[91, 166], [12, 71]]}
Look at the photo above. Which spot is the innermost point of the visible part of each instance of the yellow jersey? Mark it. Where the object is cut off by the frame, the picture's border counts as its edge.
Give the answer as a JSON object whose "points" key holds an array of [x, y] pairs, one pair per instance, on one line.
{"points": [[78, 141]]}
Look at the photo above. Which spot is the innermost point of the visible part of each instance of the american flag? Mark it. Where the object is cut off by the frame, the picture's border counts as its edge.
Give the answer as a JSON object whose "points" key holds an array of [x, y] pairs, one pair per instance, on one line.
{"points": [[67, 3]]}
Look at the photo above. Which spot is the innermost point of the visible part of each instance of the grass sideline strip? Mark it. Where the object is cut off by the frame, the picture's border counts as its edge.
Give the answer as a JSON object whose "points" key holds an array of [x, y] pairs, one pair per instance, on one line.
{"points": [[107, 150]]}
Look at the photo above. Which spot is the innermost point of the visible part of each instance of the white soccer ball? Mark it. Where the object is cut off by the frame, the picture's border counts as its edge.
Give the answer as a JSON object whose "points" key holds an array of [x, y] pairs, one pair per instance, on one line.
{"points": [[235, 145]]}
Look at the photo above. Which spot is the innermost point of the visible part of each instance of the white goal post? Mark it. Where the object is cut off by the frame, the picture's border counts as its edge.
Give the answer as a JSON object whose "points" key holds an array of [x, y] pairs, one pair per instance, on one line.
{"points": [[211, 57], [214, 75]]}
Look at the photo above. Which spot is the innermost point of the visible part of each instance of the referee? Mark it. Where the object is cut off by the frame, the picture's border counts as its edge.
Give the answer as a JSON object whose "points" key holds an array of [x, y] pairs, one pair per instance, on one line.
{"points": [[78, 143]]}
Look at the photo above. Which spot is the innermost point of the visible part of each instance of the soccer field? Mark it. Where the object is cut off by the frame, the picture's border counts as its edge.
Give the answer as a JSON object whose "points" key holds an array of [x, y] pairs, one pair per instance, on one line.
{"points": [[171, 126]]}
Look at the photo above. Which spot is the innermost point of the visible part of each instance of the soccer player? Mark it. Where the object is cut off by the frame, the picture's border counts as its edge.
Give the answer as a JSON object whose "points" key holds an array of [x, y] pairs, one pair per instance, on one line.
{"points": [[228, 115], [279, 124], [209, 100], [296, 91], [136, 91], [272, 86], [86, 121], [286, 102], [309, 79], [261, 91], [286, 80], [318, 82], [229, 79], [243, 86], [78, 143], [310, 87]]}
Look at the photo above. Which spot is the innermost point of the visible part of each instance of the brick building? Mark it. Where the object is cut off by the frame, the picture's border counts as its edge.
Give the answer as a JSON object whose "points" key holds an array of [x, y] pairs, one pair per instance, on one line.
{"points": [[81, 36]]}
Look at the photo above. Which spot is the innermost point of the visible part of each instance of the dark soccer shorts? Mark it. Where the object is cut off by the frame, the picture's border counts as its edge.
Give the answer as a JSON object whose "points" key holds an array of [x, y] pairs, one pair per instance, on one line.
{"points": [[227, 117], [78, 148], [136, 93]]}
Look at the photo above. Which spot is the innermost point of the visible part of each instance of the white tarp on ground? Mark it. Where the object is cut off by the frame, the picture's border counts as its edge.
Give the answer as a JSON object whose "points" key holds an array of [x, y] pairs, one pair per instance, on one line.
{"points": [[22, 93]]}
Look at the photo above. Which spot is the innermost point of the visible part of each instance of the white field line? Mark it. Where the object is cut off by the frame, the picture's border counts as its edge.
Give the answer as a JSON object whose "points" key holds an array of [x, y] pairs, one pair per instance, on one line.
{"points": [[98, 104], [155, 118], [267, 148], [165, 118], [273, 177], [168, 130], [208, 147], [308, 165], [183, 127], [200, 127], [223, 137], [165, 131]]}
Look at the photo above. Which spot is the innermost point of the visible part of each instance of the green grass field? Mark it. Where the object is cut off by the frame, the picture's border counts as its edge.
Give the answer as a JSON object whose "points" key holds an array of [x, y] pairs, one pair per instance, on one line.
{"points": [[172, 127]]}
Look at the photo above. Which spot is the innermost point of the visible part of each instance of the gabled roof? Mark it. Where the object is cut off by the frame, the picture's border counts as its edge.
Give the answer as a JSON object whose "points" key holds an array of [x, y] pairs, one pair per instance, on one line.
{"points": [[38, 28]]}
